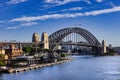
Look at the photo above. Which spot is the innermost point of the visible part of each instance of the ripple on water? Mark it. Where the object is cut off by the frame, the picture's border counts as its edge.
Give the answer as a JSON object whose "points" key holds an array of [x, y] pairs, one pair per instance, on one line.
{"points": [[113, 73], [82, 68]]}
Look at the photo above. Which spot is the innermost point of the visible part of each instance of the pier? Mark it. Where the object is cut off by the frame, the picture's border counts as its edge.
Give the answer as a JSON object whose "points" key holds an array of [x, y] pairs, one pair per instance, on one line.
{"points": [[36, 66]]}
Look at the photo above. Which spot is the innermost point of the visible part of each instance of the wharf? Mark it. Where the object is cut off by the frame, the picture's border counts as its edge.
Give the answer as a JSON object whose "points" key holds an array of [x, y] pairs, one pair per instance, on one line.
{"points": [[15, 70]]}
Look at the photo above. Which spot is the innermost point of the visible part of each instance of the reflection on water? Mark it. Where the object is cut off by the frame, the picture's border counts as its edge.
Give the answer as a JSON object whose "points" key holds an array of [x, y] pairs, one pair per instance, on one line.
{"points": [[82, 68]]}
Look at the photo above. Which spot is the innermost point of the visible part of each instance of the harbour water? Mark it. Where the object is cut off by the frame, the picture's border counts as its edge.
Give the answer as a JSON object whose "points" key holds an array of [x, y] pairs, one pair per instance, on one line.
{"points": [[81, 68]]}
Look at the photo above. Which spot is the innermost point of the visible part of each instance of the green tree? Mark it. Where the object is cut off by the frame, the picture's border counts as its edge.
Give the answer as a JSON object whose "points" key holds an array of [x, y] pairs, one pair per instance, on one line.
{"points": [[39, 49], [45, 50], [63, 55], [2, 63], [27, 49], [2, 56]]}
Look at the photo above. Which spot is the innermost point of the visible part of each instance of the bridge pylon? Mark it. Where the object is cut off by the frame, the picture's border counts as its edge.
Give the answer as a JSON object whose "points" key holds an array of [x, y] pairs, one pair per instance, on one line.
{"points": [[104, 50], [45, 40]]}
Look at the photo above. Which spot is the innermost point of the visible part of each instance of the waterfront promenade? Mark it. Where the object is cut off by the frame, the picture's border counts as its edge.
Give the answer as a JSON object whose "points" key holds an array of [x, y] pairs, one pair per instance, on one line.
{"points": [[35, 66]]}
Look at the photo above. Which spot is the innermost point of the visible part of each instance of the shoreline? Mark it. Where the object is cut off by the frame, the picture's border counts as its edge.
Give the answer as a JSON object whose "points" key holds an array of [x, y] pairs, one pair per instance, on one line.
{"points": [[15, 70]]}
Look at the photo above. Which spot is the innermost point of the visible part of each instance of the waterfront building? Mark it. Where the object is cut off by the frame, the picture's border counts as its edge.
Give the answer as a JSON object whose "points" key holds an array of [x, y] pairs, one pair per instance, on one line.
{"points": [[13, 51], [2, 51]]}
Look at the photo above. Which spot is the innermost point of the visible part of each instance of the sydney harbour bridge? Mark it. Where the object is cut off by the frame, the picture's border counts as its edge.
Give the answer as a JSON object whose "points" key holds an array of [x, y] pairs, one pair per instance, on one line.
{"points": [[72, 37], [77, 37]]}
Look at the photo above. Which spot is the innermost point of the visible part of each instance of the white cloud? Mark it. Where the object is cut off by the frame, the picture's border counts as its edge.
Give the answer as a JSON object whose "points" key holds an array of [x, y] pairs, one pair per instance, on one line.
{"points": [[66, 15], [16, 1], [112, 4], [61, 2], [67, 10], [87, 1], [15, 27], [98, 12], [23, 25], [53, 3], [50, 1], [2, 21], [72, 9], [99, 0], [44, 17], [1, 5], [29, 24]]}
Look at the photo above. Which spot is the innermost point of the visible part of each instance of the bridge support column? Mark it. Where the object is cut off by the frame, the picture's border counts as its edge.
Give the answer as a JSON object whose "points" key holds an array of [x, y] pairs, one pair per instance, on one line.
{"points": [[104, 47], [45, 40]]}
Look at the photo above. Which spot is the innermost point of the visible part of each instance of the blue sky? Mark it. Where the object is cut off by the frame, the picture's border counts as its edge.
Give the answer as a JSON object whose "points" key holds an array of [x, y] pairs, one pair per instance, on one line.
{"points": [[19, 19]]}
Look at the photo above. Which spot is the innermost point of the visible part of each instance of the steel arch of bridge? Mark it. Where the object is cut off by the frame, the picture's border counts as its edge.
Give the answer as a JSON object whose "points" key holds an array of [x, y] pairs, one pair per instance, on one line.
{"points": [[57, 36]]}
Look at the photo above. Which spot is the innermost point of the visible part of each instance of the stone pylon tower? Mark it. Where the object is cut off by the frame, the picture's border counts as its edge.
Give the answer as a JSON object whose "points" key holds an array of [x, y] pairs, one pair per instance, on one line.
{"points": [[45, 40], [35, 38], [104, 47]]}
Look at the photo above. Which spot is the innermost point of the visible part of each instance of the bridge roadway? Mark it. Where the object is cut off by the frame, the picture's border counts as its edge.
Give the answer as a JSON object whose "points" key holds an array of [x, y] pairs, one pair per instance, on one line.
{"points": [[78, 44], [51, 44]]}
